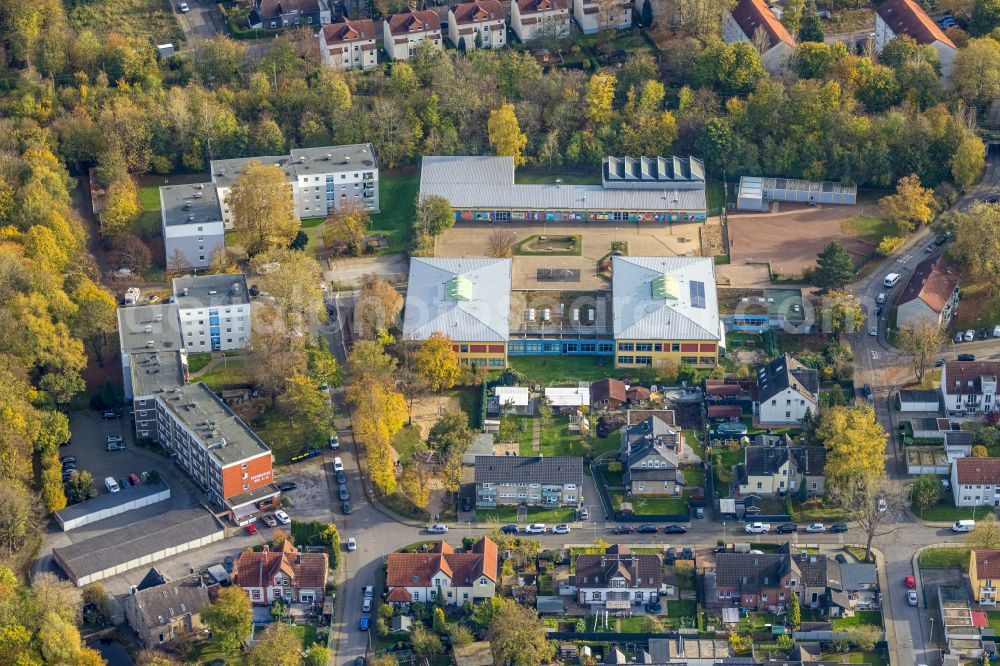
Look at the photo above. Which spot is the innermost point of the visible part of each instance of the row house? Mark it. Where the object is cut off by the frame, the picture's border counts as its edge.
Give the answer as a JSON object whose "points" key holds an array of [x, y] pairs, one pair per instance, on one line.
{"points": [[477, 24], [969, 387], [277, 14], [539, 19], [284, 573], [772, 468], [650, 444], [443, 574], [531, 480], [346, 44], [404, 32], [618, 579]]}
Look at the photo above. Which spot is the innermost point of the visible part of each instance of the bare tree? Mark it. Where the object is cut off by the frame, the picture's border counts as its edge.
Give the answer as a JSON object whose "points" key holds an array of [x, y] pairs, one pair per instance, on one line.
{"points": [[761, 40], [870, 500], [177, 263], [921, 339], [501, 243]]}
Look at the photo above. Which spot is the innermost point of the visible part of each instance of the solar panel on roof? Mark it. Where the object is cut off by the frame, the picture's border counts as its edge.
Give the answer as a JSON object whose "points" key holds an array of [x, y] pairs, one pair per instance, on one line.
{"points": [[698, 294]]}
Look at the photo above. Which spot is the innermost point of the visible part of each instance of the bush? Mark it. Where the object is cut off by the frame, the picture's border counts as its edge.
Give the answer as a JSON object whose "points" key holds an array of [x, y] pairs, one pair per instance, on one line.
{"points": [[889, 245]]}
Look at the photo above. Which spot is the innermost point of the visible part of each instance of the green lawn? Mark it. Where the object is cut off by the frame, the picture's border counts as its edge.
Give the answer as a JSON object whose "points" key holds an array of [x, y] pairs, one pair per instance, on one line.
{"points": [[148, 20], [407, 442], [871, 229], [656, 505], [503, 514], [945, 558], [554, 440], [694, 477], [232, 373], [758, 621], [203, 652], [681, 608], [715, 196], [553, 516], [994, 618], [947, 511], [871, 658], [311, 222], [198, 361], [149, 224], [860, 618], [397, 201], [306, 634], [552, 370]]}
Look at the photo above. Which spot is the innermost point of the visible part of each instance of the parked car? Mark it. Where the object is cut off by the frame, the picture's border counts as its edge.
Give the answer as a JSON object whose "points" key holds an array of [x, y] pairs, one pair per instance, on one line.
{"points": [[911, 598], [648, 529], [816, 528], [654, 607], [984, 334], [561, 528], [341, 478], [110, 415], [623, 529], [583, 513], [869, 394], [286, 486], [269, 520], [757, 528], [113, 438], [687, 554], [969, 336], [346, 507], [369, 591], [251, 529], [363, 623], [184, 10], [957, 338], [837, 528], [509, 529], [674, 529], [366, 605], [535, 528], [338, 464], [938, 362], [787, 528], [111, 484], [344, 495], [466, 503], [873, 331], [282, 517], [670, 555], [228, 563], [966, 357], [334, 441], [352, 544], [910, 582], [882, 505], [840, 557], [437, 528]]}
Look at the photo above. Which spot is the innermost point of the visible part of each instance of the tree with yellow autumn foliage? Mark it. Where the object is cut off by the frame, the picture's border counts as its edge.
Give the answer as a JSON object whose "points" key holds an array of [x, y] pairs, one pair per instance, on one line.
{"points": [[437, 363], [505, 133], [854, 441]]}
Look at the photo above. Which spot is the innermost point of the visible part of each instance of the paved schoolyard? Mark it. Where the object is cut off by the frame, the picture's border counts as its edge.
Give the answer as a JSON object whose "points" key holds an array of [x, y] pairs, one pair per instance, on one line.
{"points": [[791, 237], [466, 239]]}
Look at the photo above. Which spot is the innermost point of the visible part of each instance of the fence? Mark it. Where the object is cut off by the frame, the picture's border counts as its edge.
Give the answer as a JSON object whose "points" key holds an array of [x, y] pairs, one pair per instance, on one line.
{"points": [[613, 514]]}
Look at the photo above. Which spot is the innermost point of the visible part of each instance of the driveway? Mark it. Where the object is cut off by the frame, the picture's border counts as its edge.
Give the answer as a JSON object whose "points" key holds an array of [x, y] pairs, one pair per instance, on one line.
{"points": [[349, 271], [201, 20]]}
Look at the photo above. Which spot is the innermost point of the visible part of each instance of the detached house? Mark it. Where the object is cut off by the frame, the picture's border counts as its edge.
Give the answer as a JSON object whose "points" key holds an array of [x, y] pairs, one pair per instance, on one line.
{"points": [[274, 14], [403, 32], [932, 293], [984, 575], [786, 389], [650, 444], [593, 16], [618, 578], [283, 573], [976, 481], [480, 23], [772, 468], [535, 481], [347, 44], [539, 19], [905, 17], [970, 387], [751, 20], [167, 611], [457, 577]]}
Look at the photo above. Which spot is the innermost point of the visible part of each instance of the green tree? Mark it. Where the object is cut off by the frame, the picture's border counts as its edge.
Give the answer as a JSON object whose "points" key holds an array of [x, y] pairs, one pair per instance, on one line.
{"points": [[425, 643], [911, 206], [517, 636], [433, 215], [229, 618], [927, 492], [811, 28], [647, 13], [968, 162], [834, 268], [346, 227], [730, 69], [794, 611], [277, 645], [977, 243], [316, 655], [986, 534], [975, 74], [80, 487], [791, 15], [505, 133], [262, 208], [985, 17], [921, 339], [121, 207]]}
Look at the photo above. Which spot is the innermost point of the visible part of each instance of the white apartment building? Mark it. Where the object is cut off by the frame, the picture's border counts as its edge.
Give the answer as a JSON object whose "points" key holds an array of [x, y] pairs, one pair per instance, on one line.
{"points": [[479, 21], [214, 312], [192, 224], [591, 18], [347, 44], [970, 387], [539, 19], [976, 481], [403, 32], [321, 179]]}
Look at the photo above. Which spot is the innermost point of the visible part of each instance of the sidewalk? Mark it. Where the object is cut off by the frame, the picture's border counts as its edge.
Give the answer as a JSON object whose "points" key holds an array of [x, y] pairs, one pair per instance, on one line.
{"points": [[888, 623]]}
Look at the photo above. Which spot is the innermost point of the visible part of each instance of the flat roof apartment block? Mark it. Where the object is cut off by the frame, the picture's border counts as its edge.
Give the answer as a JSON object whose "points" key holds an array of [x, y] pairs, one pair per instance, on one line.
{"points": [[216, 448], [214, 312], [192, 225]]}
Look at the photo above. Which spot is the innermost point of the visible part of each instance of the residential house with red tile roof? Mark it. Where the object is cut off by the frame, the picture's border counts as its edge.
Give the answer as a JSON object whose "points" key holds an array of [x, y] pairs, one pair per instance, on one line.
{"points": [[931, 293], [617, 579], [984, 575], [752, 21], [608, 394], [347, 44], [970, 387], [906, 17], [284, 573], [593, 16], [481, 23], [457, 577], [539, 19], [976, 481], [404, 31]]}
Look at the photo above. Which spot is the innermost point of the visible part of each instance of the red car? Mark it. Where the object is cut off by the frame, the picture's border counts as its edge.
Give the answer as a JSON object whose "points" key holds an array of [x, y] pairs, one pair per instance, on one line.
{"points": [[911, 583], [251, 529]]}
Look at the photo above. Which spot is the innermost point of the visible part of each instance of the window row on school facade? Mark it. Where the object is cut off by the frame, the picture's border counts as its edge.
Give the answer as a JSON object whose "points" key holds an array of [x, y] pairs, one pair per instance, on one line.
{"points": [[576, 216]]}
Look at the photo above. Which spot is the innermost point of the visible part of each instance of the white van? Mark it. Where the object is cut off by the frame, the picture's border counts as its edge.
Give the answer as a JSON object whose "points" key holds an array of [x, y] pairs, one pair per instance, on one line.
{"points": [[996, 331], [890, 280], [111, 484], [963, 526]]}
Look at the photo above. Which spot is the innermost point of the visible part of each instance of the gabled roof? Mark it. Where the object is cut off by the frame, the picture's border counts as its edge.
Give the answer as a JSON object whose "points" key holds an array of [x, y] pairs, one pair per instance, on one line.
{"points": [[539, 6], [764, 460], [305, 570], [966, 377], [753, 14], [665, 298], [607, 389], [785, 372], [407, 21], [347, 30], [478, 11], [466, 298], [553, 470], [978, 471], [933, 282], [162, 604], [987, 563], [809, 460], [905, 17], [419, 569], [855, 576], [269, 8], [638, 571], [749, 573]]}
